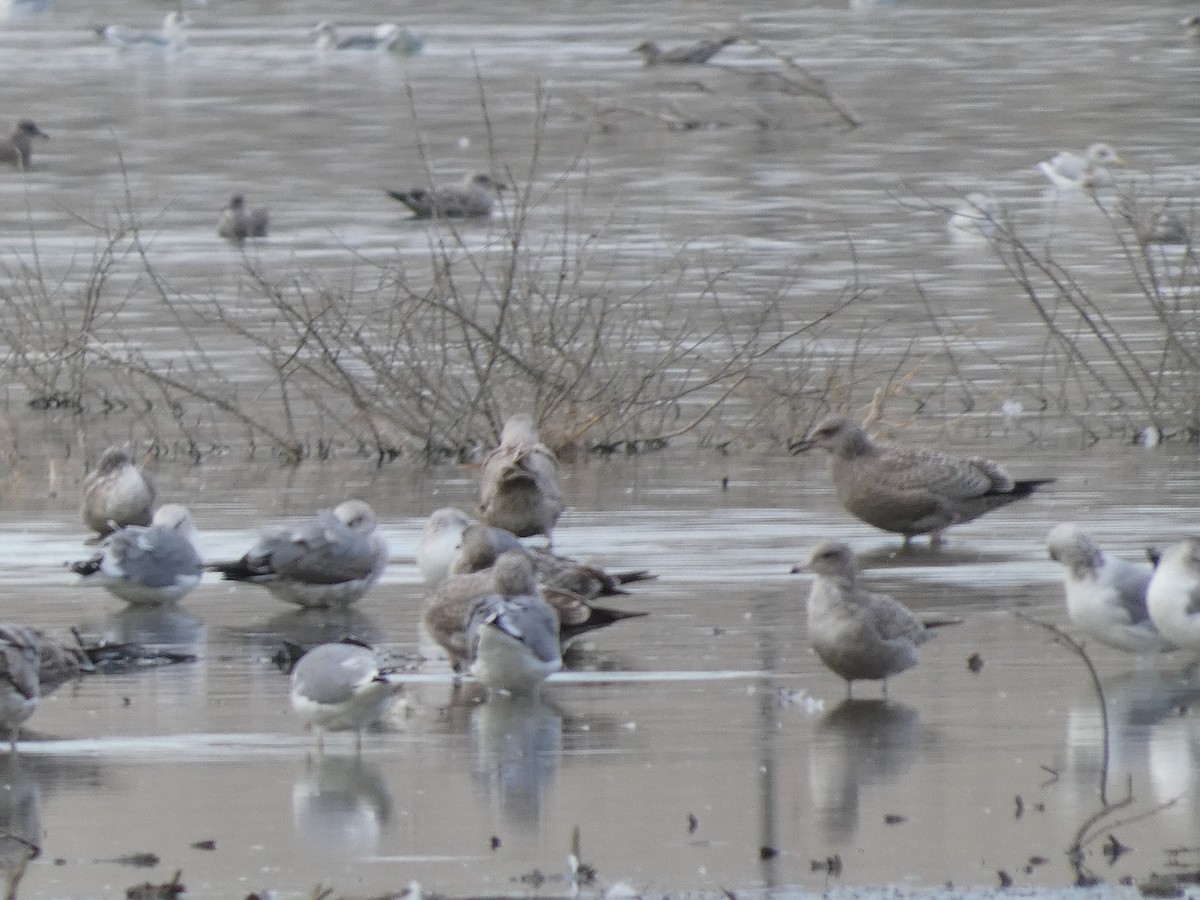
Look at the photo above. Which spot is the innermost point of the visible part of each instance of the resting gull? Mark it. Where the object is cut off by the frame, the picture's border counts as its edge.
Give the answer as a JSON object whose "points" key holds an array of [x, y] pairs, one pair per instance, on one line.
{"points": [[18, 681], [686, 54], [910, 490], [1173, 596], [518, 482], [387, 36], [116, 493], [17, 148], [473, 198], [1106, 595], [975, 216], [1072, 171], [172, 35], [236, 223]]}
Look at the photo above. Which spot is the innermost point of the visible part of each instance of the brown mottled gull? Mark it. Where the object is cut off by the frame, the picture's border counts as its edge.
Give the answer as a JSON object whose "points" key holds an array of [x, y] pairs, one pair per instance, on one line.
{"points": [[17, 148], [857, 634], [19, 659], [518, 482], [911, 490], [686, 54], [116, 493], [236, 222], [473, 198]]}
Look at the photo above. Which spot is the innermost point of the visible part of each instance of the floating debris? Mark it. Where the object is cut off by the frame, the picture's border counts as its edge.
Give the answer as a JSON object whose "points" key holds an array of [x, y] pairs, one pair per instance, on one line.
{"points": [[168, 890]]}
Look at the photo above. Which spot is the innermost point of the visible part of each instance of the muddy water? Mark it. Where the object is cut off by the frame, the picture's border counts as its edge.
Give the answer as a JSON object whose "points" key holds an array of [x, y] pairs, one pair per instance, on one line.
{"points": [[712, 707]]}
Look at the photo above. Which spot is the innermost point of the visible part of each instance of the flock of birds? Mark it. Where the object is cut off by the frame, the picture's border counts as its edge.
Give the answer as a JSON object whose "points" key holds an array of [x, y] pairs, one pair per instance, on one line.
{"points": [[504, 610]]}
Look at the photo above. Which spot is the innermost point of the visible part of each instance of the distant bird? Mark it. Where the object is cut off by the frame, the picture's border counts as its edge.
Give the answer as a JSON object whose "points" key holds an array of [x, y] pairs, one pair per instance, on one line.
{"points": [[512, 634], [330, 560], [116, 493], [59, 661], [236, 223], [699, 52], [1173, 596], [975, 216], [387, 36], [19, 693], [1089, 170], [1106, 595], [518, 482], [857, 634], [148, 566], [473, 198], [1192, 25], [1163, 226], [341, 687], [17, 148], [172, 35], [910, 490]]}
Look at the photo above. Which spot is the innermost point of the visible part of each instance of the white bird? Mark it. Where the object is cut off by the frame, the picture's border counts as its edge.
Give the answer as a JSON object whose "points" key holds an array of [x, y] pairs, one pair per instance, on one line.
{"points": [[859, 635], [512, 635], [1073, 171], [974, 217], [1173, 596], [19, 690], [236, 223], [341, 687], [148, 565], [116, 493], [172, 35], [473, 198], [518, 482], [331, 560], [387, 36], [1106, 595]]}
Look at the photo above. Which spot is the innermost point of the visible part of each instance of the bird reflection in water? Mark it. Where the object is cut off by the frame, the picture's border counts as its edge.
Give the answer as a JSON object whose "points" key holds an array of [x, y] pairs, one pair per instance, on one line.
{"points": [[341, 804], [164, 627], [20, 821], [859, 742], [517, 744]]}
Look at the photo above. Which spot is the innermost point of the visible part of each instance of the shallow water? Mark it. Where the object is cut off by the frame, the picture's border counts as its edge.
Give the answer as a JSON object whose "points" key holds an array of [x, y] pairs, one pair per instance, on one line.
{"points": [[712, 707]]}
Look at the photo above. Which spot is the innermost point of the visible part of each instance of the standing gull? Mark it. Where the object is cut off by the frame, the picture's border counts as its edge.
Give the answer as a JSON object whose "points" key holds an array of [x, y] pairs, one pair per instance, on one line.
{"points": [[910, 490], [857, 634], [1106, 595], [148, 566], [1073, 171], [686, 54], [236, 223], [17, 148], [473, 198], [18, 681], [331, 560], [116, 493], [341, 687], [518, 482], [512, 635], [1173, 596]]}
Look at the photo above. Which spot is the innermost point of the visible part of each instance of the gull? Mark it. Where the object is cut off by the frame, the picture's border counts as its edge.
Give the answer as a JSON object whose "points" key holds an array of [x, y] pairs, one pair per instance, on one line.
{"points": [[857, 634], [116, 493], [974, 216], [1106, 595], [331, 560], [474, 197], [17, 148], [148, 565], [1192, 25], [59, 661], [341, 687], [170, 37], [448, 606], [1173, 596], [518, 482], [440, 542], [387, 36], [699, 52], [910, 490], [1073, 171], [236, 223], [513, 634], [18, 682]]}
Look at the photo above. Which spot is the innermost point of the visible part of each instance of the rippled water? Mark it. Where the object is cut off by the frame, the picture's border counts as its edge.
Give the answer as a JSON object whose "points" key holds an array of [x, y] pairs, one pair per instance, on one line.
{"points": [[715, 708]]}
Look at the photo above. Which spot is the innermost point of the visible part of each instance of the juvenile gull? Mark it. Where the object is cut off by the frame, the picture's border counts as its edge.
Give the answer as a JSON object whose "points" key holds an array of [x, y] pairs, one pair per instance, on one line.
{"points": [[59, 661], [1106, 595], [387, 36], [911, 490], [1173, 596], [18, 682], [236, 223], [17, 148], [341, 687], [1073, 171], [116, 493], [857, 634], [686, 54], [171, 36], [518, 482], [512, 635], [473, 198], [331, 560], [148, 565]]}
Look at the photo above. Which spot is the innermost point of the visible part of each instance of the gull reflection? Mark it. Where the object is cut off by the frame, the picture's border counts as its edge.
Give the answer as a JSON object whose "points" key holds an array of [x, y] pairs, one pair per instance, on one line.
{"points": [[20, 821], [341, 804], [158, 626], [517, 743], [859, 742]]}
